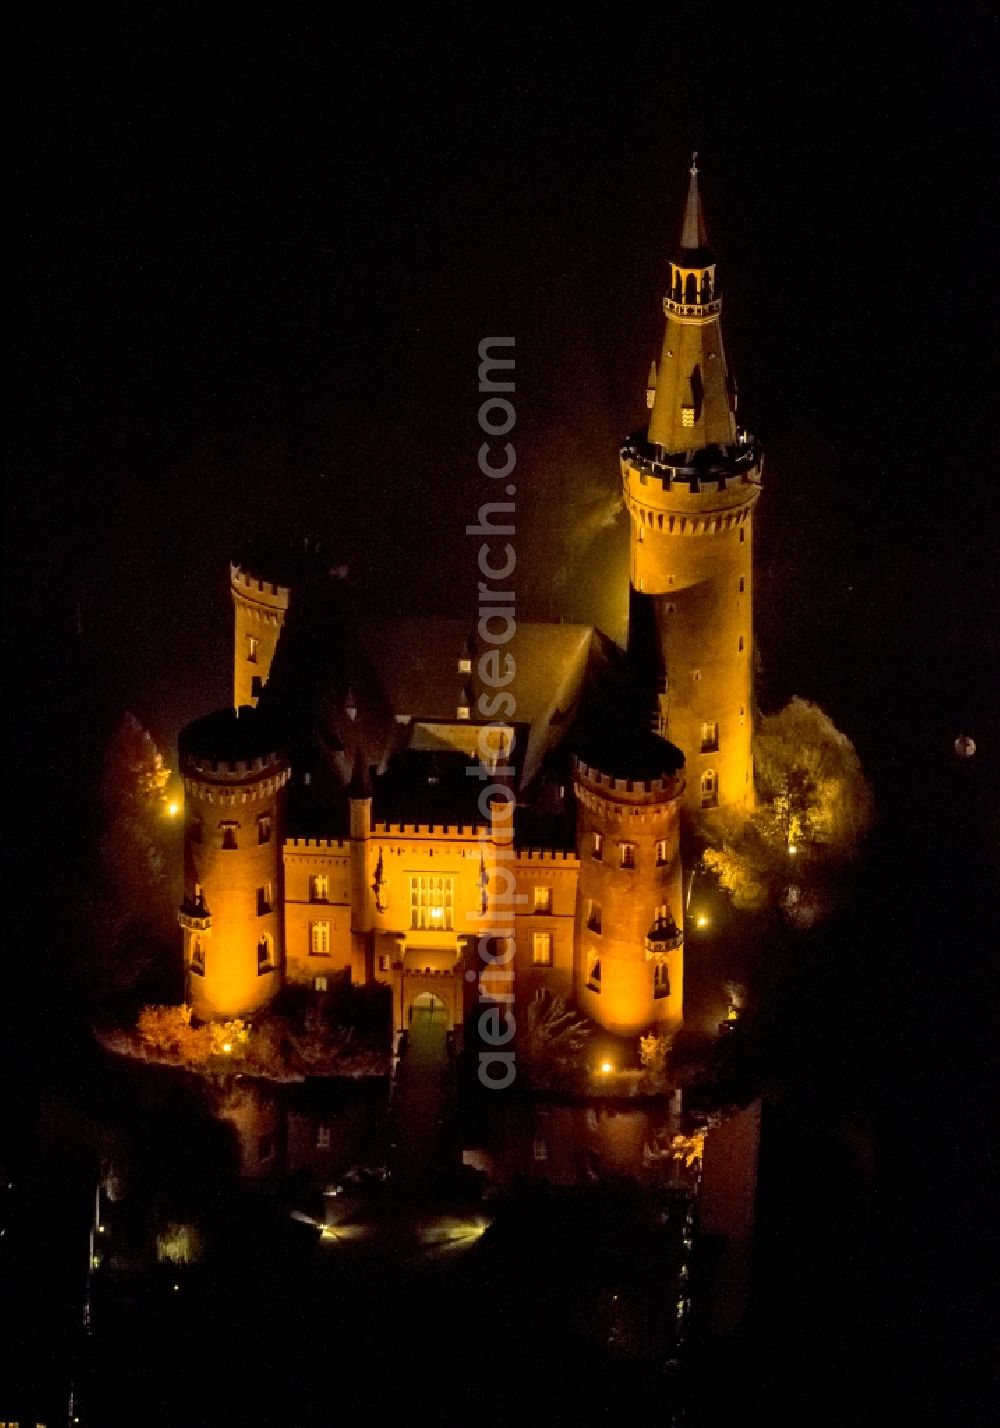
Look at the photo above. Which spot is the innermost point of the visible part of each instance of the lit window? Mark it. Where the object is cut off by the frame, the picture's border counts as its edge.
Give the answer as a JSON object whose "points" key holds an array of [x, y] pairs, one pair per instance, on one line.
{"points": [[661, 980], [540, 1149], [265, 961], [541, 949], [319, 888], [465, 666], [594, 974], [319, 984], [661, 853], [432, 903], [626, 855], [322, 1137], [264, 901], [264, 828], [597, 846], [543, 899], [696, 675], [463, 710], [709, 736], [319, 939], [593, 915], [687, 416], [229, 831], [709, 789], [198, 957], [253, 649]]}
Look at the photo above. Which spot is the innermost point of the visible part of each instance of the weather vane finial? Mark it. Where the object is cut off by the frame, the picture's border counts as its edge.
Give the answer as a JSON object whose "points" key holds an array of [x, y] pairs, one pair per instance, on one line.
{"points": [[694, 162]]}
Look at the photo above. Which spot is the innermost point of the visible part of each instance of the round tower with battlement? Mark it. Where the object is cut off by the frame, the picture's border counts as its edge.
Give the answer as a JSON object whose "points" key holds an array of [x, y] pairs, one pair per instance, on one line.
{"points": [[235, 773], [260, 608], [265, 580], [630, 954], [691, 481]]}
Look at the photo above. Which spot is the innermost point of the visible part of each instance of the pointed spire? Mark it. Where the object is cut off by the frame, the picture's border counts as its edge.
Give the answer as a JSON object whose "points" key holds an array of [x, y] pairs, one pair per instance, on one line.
{"points": [[694, 234]]}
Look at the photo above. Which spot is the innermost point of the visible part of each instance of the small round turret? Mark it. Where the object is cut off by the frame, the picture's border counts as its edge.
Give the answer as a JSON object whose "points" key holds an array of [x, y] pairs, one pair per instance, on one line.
{"points": [[235, 771], [630, 969]]}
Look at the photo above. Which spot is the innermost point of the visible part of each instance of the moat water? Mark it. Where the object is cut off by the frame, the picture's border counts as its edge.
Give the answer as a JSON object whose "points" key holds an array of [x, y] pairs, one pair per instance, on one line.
{"points": [[215, 1248]]}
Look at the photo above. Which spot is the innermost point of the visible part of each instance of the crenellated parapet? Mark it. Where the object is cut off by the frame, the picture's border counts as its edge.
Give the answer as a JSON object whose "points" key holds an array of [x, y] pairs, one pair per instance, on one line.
{"points": [[319, 845], [547, 855], [470, 832]]}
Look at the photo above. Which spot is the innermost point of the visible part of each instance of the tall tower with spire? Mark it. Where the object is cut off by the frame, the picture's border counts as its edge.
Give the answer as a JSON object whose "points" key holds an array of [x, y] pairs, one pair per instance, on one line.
{"points": [[691, 481]]}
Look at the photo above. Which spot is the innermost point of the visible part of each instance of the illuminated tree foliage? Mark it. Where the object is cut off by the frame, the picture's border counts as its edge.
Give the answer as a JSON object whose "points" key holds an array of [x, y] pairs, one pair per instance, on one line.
{"points": [[128, 902], [654, 1052], [810, 785], [552, 1042], [814, 806]]}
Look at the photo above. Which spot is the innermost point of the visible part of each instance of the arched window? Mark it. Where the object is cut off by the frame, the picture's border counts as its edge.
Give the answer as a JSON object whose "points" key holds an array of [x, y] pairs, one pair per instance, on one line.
{"points": [[709, 789], [691, 288]]}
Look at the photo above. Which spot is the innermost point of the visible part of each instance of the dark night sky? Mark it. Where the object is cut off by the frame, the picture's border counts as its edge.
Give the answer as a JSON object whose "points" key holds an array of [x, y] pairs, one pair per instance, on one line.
{"points": [[256, 248]]}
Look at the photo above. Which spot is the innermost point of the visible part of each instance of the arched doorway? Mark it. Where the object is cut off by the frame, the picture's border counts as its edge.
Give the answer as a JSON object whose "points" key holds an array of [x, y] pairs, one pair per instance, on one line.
{"points": [[429, 1024]]}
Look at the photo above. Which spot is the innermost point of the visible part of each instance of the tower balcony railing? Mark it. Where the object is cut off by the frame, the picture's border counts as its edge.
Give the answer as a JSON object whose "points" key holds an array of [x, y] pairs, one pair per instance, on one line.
{"points": [[692, 309], [194, 916], [718, 465]]}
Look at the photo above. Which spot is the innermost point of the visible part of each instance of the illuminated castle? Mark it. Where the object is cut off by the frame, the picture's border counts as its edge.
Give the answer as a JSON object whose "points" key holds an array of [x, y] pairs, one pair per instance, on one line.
{"points": [[335, 819]]}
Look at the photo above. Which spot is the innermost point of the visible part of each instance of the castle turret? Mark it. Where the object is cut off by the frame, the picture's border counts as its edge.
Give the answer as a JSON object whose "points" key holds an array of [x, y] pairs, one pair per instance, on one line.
{"points": [[265, 581], [235, 773], [691, 481], [260, 609], [630, 966]]}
